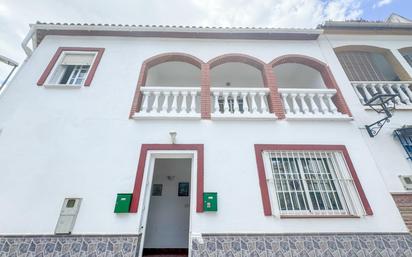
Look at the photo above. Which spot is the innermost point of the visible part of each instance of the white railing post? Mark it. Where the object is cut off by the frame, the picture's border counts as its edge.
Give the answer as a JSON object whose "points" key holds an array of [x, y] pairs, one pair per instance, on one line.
{"points": [[216, 101], [156, 101], [408, 91], [323, 107], [358, 93], [332, 106], [253, 101], [225, 102], [185, 108], [305, 108], [366, 92], [313, 105], [295, 106], [243, 98], [391, 91], [175, 95], [263, 103], [286, 106], [402, 94], [145, 101]]}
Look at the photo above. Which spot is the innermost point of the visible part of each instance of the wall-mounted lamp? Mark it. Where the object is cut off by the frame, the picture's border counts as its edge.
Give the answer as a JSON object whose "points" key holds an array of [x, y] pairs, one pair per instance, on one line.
{"points": [[380, 103], [173, 135]]}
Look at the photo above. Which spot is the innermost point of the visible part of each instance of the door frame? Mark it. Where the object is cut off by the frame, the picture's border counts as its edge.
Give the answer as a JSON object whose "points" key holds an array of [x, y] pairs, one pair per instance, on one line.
{"points": [[146, 187]]}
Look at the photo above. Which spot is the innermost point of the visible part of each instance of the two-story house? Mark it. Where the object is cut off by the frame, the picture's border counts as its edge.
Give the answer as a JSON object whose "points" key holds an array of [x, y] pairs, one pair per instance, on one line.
{"points": [[121, 140]]}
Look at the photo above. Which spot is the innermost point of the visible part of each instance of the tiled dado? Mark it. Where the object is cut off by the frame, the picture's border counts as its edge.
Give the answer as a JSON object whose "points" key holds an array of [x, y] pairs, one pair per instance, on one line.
{"points": [[305, 245], [69, 246]]}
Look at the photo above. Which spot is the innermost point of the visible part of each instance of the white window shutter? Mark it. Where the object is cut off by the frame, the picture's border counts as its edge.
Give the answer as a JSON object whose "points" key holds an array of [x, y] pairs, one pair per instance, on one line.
{"points": [[77, 59]]}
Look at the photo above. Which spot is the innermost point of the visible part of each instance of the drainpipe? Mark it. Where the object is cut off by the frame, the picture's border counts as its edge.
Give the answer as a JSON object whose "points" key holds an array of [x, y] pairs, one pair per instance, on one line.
{"points": [[10, 62], [26, 40]]}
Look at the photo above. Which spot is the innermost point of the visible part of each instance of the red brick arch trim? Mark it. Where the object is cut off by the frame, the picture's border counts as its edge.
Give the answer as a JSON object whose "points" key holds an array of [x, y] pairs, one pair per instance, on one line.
{"points": [[267, 209], [142, 163], [325, 72], [156, 60], [56, 56], [237, 57]]}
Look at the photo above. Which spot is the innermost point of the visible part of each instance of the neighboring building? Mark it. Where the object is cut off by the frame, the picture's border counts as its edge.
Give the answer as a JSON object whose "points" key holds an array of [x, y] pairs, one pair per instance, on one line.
{"points": [[141, 140]]}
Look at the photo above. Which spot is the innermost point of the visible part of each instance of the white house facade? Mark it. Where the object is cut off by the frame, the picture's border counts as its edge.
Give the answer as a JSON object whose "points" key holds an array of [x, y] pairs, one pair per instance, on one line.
{"points": [[149, 140]]}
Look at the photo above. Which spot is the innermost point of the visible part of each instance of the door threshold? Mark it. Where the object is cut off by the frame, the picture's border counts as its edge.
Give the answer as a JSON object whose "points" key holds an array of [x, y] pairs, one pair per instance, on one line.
{"points": [[169, 252]]}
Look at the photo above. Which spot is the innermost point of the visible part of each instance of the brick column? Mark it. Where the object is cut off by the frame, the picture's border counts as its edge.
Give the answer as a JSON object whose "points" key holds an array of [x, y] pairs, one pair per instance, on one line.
{"points": [[205, 101], [137, 95], [338, 99], [275, 102]]}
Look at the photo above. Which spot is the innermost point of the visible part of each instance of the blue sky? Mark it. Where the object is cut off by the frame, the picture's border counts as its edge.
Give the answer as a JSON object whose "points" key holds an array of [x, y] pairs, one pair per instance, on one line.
{"points": [[372, 12], [16, 15]]}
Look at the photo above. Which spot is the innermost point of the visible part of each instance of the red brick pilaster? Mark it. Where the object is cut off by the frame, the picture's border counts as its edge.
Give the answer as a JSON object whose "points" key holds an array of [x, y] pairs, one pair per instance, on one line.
{"points": [[275, 102], [338, 99], [205, 101]]}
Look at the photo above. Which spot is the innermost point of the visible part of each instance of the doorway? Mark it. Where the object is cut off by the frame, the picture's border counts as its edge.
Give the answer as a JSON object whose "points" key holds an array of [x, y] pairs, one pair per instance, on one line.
{"points": [[168, 216]]}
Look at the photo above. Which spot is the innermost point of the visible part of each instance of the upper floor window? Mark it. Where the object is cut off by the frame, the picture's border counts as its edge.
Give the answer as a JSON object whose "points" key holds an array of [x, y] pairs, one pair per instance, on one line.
{"points": [[367, 66], [313, 183], [408, 56], [71, 66]]}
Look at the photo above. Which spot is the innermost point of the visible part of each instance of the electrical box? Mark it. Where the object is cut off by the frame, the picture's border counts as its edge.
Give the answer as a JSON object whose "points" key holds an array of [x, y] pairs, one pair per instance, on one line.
{"points": [[68, 215], [123, 203], [210, 201], [406, 181]]}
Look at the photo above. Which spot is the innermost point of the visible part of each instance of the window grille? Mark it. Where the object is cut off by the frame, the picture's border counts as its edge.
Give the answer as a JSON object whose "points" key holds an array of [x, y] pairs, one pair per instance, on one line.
{"points": [[313, 183], [408, 57], [365, 66], [404, 135]]}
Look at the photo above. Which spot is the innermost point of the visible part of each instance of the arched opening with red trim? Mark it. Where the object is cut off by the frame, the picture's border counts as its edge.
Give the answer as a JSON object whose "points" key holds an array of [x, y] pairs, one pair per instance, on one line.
{"points": [[239, 84], [180, 73], [307, 85]]}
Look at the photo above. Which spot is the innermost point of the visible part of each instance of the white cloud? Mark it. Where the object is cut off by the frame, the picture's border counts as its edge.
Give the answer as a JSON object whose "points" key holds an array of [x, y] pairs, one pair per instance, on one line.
{"points": [[381, 3], [16, 15]]}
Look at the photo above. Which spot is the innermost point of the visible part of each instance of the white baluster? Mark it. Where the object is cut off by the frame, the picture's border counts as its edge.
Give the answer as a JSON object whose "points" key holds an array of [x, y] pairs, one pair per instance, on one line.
{"points": [[366, 92], [408, 91], [235, 102], [263, 102], [332, 105], [381, 88], [165, 104], [225, 102], [305, 107], [373, 89], [253, 101], [216, 107], [313, 105], [358, 93], [156, 101], [175, 95], [244, 101], [295, 106], [145, 101], [402, 94], [185, 107], [285, 102], [391, 91], [323, 107]]}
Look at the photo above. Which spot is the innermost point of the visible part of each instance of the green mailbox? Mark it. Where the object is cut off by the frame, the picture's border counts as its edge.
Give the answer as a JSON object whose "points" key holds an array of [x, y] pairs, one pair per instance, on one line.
{"points": [[210, 201], [123, 203]]}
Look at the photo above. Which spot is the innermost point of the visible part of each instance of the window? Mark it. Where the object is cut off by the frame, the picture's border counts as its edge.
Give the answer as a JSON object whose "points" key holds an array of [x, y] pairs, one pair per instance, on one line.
{"points": [[312, 183], [408, 57], [366, 66], [72, 69]]}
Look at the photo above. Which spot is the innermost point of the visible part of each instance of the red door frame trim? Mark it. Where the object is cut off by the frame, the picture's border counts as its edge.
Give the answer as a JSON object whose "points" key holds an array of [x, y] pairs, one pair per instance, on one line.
{"points": [[142, 163], [56, 56], [267, 209]]}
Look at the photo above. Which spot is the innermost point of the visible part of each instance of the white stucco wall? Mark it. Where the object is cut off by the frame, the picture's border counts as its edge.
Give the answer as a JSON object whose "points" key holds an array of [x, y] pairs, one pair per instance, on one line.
{"points": [[58, 143], [386, 149]]}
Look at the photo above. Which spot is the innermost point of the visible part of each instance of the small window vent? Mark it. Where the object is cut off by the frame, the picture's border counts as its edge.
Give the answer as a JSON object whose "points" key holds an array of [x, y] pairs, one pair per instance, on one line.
{"points": [[407, 182]]}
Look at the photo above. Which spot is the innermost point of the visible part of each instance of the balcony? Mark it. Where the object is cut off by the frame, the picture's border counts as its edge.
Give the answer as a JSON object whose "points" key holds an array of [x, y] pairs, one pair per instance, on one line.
{"points": [[170, 102], [306, 96], [310, 104], [240, 103], [366, 89]]}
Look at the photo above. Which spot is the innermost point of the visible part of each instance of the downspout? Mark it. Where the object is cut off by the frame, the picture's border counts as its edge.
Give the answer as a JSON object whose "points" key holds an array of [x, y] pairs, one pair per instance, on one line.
{"points": [[26, 40]]}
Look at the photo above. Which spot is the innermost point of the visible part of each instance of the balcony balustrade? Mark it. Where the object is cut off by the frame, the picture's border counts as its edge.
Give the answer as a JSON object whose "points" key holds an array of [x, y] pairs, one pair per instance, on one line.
{"points": [[310, 104], [366, 89], [240, 103], [169, 102]]}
